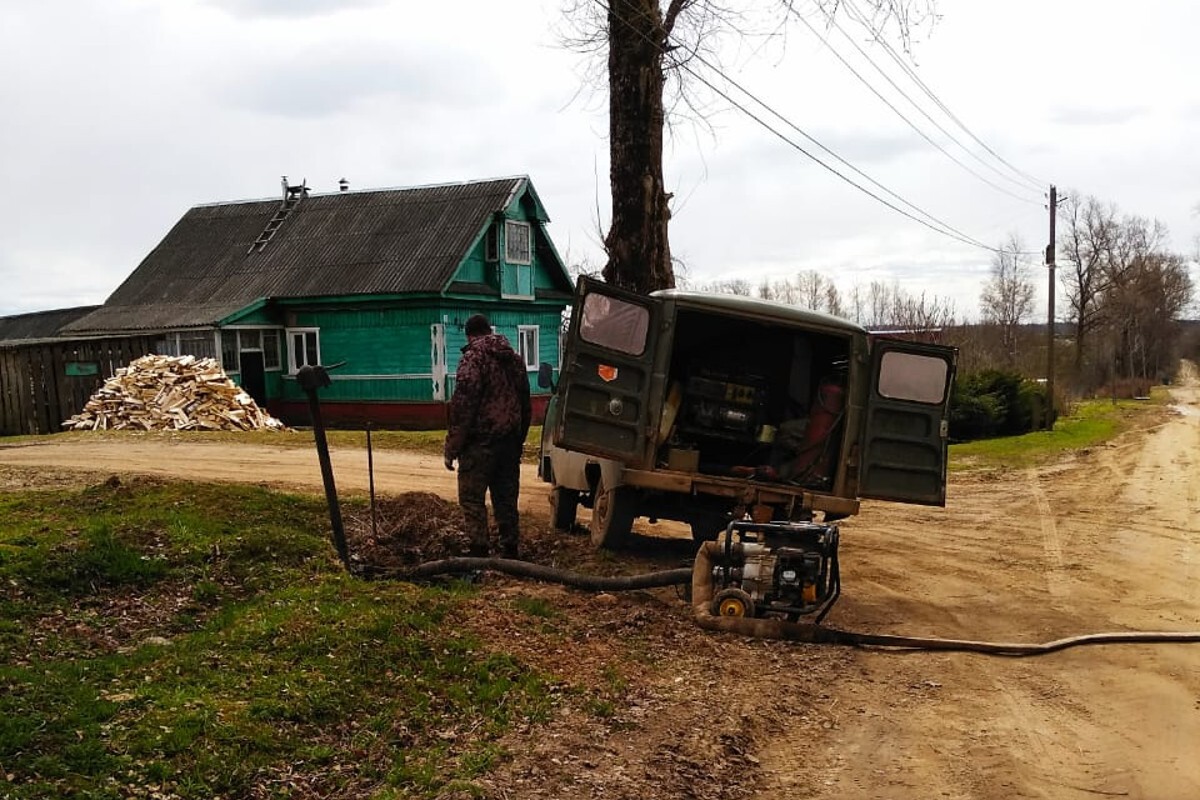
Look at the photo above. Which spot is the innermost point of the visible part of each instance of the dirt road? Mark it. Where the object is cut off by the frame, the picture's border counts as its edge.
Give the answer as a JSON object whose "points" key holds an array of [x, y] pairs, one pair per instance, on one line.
{"points": [[281, 467], [1108, 541]]}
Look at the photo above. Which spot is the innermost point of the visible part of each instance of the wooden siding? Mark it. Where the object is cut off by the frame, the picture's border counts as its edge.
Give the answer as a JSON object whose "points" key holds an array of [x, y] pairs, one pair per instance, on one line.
{"points": [[37, 395], [348, 388], [475, 268], [388, 350], [263, 315], [372, 342]]}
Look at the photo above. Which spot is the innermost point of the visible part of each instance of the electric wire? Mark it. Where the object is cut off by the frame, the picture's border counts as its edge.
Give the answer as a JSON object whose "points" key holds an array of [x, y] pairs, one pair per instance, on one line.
{"points": [[861, 18], [945, 229], [942, 224], [863, 80]]}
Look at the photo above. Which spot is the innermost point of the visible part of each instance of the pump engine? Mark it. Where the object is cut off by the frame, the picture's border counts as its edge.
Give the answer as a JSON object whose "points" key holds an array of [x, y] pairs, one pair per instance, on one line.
{"points": [[778, 568]]}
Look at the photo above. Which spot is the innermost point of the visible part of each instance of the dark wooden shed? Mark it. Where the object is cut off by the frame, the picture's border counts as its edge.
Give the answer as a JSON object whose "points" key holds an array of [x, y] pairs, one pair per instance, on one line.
{"points": [[45, 379]]}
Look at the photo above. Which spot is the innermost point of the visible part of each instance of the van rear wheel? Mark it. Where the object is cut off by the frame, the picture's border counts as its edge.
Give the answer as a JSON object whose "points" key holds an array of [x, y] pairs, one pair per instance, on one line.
{"points": [[564, 505], [612, 516]]}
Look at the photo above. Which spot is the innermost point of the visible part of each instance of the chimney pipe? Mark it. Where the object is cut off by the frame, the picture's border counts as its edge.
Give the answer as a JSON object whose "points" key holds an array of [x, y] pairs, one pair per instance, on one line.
{"points": [[343, 185]]}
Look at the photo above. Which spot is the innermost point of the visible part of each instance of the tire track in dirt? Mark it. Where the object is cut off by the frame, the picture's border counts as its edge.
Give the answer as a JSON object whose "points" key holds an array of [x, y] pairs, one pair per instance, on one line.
{"points": [[1050, 541]]}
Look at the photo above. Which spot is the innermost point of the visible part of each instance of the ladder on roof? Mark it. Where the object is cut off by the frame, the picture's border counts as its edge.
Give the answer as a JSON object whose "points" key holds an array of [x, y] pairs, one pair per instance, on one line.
{"points": [[292, 195]]}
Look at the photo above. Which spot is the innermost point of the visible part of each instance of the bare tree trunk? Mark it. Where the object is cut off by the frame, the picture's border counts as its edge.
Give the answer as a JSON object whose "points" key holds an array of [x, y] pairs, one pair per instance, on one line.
{"points": [[639, 255]]}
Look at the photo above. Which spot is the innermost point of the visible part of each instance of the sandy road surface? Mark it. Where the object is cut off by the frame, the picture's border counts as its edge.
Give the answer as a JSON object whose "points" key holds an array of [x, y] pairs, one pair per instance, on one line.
{"points": [[1109, 541]]}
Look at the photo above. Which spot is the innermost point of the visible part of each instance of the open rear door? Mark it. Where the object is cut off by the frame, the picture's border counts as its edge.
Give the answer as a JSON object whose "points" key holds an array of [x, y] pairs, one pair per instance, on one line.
{"points": [[607, 376], [904, 447]]}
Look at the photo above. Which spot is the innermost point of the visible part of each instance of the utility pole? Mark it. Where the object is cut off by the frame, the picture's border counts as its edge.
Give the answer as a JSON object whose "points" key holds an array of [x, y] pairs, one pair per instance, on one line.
{"points": [[1050, 313]]}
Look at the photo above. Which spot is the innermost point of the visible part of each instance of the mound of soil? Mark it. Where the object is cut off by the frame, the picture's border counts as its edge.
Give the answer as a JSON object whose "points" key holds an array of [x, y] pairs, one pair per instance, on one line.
{"points": [[408, 529]]}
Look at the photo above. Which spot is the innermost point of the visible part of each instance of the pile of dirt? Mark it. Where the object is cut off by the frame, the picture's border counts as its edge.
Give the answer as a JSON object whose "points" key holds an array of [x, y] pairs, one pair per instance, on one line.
{"points": [[182, 393], [407, 529]]}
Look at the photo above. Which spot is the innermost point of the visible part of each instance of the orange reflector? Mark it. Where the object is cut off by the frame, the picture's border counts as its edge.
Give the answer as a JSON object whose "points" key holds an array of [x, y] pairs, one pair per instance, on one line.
{"points": [[607, 374]]}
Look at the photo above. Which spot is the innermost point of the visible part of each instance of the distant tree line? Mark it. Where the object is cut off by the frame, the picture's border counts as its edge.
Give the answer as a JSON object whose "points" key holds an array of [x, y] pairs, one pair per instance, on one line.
{"points": [[877, 306], [1124, 296], [1126, 291]]}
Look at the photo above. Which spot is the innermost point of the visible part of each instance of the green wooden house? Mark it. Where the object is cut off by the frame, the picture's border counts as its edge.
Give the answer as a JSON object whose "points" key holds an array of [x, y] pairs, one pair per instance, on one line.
{"points": [[381, 280]]}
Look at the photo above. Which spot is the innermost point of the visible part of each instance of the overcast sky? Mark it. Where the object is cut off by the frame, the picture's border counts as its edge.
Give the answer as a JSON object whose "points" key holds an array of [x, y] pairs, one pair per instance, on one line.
{"points": [[118, 116]]}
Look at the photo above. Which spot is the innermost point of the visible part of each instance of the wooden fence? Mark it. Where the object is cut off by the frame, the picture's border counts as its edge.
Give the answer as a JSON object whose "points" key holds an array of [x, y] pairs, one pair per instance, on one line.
{"points": [[46, 382]]}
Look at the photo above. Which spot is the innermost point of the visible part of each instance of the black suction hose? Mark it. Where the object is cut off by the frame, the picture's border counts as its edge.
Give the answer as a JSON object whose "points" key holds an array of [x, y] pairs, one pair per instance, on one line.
{"points": [[766, 628], [527, 569], [820, 635], [763, 628]]}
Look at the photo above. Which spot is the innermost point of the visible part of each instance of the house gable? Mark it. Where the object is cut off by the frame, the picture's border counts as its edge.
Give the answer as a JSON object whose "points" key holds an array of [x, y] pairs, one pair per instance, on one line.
{"points": [[513, 256]]}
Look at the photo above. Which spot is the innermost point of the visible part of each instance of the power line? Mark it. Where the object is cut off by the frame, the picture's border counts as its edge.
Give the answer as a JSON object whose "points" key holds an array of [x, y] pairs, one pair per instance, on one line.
{"points": [[915, 105], [945, 227], [861, 19], [936, 225]]}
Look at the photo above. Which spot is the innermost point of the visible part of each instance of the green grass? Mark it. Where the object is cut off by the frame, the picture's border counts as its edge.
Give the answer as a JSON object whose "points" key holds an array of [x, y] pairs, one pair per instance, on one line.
{"points": [[202, 640], [1091, 423]]}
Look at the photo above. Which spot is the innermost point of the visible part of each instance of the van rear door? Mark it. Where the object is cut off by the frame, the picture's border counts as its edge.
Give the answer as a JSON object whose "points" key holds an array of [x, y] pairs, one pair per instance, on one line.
{"points": [[905, 443], [607, 383]]}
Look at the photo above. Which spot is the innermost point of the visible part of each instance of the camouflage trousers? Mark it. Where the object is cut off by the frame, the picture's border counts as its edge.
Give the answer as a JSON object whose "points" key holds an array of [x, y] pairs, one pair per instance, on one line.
{"points": [[493, 466]]}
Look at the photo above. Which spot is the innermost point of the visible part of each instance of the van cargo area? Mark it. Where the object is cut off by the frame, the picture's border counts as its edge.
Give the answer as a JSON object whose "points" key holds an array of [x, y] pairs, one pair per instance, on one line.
{"points": [[714, 409], [751, 399]]}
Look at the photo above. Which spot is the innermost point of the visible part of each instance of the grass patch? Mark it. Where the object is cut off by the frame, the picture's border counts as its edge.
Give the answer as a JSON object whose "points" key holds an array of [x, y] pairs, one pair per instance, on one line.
{"points": [[535, 607], [1091, 423], [198, 640]]}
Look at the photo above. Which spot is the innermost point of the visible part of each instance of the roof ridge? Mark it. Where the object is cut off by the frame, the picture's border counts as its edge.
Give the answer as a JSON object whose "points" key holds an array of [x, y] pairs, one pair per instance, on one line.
{"points": [[45, 311], [378, 190]]}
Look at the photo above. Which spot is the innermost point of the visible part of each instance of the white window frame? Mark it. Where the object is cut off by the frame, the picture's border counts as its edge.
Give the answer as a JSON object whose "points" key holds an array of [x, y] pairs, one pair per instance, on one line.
{"points": [[294, 365], [509, 226], [531, 364], [232, 336], [172, 342], [278, 365]]}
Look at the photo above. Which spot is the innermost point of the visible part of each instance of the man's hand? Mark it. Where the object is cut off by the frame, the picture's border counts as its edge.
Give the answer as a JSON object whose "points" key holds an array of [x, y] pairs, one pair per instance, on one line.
{"points": [[450, 463]]}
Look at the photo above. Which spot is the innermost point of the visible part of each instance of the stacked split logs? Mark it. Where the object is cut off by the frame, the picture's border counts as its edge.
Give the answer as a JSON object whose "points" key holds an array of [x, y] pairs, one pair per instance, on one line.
{"points": [[183, 393]]}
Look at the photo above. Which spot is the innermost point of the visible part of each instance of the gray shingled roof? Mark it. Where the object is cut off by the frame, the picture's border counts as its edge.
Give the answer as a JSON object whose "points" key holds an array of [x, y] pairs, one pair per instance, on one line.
{"points": [[345, 243], [37, 325]]}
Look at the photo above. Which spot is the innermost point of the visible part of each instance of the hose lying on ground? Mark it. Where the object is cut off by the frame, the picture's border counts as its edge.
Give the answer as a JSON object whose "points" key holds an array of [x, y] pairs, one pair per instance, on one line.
{"points": [[761, 628], [700, 575], [527, 569]]}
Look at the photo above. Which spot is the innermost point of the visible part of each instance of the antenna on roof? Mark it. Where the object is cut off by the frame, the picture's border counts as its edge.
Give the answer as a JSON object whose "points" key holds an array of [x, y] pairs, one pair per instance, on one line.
{"points": [[292, 192], [343, 185]]}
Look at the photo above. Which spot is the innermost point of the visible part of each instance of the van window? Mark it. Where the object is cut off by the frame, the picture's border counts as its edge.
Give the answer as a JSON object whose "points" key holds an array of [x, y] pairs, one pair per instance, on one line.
{"points": [[614, 324], [912, 377]]}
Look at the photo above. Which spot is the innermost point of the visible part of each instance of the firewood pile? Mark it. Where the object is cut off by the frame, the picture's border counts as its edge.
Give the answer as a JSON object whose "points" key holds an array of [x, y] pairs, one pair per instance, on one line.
{"points": [[181, 393]]}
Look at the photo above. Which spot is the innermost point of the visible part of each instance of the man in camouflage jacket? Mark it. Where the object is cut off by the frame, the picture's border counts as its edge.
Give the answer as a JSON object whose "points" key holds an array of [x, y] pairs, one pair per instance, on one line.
{"points": [[489, 418]]}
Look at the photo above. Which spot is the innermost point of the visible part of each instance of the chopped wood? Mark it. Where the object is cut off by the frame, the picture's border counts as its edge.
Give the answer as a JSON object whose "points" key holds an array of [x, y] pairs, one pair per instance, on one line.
{"points": [[172, 393]]}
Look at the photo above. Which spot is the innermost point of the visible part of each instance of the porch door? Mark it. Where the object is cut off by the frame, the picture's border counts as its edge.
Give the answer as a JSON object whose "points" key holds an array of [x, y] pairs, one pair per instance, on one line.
{"points": [[437, 359], [253, 375]]}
